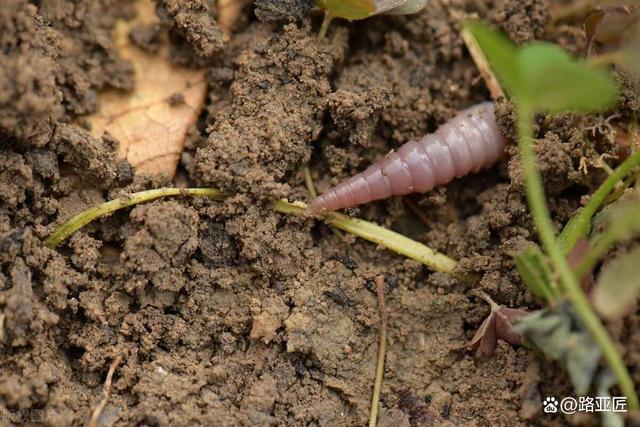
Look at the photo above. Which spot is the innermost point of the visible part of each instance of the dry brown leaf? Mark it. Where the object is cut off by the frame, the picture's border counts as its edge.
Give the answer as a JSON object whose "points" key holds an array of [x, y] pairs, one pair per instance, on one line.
{"points": [[228, 13], [151, 129], [608, 28]]}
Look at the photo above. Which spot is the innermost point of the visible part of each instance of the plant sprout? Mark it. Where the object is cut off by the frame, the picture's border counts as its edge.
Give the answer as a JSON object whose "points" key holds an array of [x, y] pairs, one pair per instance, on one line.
{"points": [[542, 78]]}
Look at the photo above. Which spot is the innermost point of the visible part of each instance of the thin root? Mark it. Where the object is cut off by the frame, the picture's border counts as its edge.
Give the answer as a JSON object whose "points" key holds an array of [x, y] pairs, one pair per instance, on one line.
{"points": [[97, 411], [382, 347]]}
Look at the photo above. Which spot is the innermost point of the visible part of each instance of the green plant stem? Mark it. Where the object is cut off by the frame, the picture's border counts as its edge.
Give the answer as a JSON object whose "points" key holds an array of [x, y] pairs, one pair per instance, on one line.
{"points": [[364, 229], [308, 181], [618, 192], [83, 218], [622, 227], [580, 224], [380, 235], [324, 27], [542, 219], [634, 133]]}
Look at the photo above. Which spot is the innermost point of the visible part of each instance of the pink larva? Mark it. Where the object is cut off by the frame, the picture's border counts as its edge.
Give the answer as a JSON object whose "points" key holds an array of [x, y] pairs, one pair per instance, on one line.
{"points": [[467, 143]]}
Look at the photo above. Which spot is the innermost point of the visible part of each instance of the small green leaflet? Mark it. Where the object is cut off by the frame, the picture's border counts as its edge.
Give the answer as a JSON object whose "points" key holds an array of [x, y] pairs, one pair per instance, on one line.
{"points": [[543, 76], [555, 82], [534, 272], [559, 335], [349, 9]]}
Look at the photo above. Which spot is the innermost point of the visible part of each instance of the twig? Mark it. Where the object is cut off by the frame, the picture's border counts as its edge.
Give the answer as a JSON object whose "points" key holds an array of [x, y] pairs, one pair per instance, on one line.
{"points": [[382, 236], [97, 411], [482, 64], [483, 295], [602, 164], [382, 347]]}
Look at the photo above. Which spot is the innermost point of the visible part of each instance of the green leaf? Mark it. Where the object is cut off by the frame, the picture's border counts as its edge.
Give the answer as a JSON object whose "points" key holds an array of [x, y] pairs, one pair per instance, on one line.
{"points": [[560, 335], [544, 77], [618, 286], [555, 82], [580, 223], [616, 223], [502, 55], [605, 381], [535, 273], [349, 9], [582, 358]]}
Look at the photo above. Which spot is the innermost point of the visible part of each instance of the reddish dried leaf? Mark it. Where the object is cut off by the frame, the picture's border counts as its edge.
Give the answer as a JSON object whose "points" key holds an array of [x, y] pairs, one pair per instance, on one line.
{"points": [[485, 339], [575, 256], [497, 326], [504, 324]]}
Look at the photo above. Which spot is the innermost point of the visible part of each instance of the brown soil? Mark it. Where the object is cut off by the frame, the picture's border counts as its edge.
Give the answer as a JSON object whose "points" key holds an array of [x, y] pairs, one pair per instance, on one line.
{"points": [[231, 314]]}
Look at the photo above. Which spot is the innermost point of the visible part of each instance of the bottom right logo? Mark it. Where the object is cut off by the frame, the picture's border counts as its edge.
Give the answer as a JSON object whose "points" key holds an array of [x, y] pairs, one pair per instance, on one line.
{"points": [[571, 405], [550, 405]]}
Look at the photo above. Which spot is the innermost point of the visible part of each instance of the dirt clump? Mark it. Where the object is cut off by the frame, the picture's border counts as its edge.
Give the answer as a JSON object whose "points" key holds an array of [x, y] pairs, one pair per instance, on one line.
{"points": [[523, 21], [91, 158], [87, 60], [30, 99], [276, 10], [195, 34], [254, 141]]}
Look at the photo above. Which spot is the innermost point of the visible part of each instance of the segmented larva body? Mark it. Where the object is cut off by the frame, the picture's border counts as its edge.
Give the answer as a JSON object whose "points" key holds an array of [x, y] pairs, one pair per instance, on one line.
{"points": [[467, 143]]}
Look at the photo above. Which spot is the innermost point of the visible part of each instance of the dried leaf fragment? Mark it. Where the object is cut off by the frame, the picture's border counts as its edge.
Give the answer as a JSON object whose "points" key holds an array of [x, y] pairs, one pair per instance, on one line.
{"points": [[575, 257], [497, 326], [618, 286], [608, 28], [228, 13], [151, 129]]}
